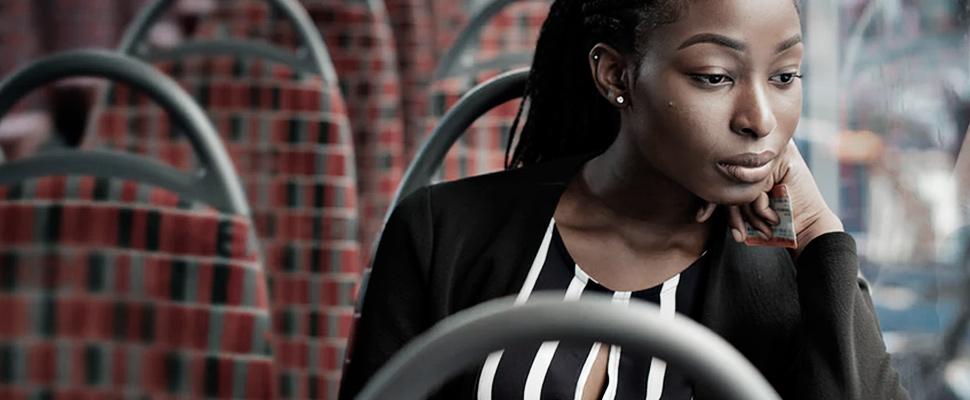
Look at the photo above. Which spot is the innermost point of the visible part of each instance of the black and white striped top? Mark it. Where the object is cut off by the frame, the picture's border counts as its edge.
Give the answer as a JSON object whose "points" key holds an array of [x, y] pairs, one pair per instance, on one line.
{"points": [[559, 370]]}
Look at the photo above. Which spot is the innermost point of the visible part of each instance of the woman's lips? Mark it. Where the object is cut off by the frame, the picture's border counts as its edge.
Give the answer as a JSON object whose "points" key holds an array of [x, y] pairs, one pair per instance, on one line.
{"points": [[747, 168]]}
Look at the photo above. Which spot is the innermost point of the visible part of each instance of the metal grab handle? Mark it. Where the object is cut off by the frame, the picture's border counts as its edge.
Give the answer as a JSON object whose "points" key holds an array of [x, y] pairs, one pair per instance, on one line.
{"points": [[467, 36], [218, 174], [468, 337], [293, 10]]}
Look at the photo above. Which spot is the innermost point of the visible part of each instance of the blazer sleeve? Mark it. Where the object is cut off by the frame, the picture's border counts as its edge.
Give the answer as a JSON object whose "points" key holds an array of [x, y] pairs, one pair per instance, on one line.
{"points": [[844, 356], [395, 306]]}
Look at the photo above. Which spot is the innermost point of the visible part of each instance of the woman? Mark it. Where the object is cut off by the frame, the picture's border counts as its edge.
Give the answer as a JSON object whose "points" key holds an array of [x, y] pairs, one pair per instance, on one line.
{"points": [[655, 130]]}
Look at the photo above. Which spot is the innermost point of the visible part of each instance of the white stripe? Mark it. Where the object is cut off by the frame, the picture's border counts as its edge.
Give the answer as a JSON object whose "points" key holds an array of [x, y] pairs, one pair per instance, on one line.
{"points": [[612, 372], [658, 367], [613, 367], [543, 358], [487, 378], [540, 366], [576, 287], [537, 263], [582, 275], [587, 369]]}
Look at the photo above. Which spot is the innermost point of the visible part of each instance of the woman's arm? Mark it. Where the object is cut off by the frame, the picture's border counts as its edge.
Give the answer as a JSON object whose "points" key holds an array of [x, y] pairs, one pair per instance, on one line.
{"points": [[395, 306], [844, 356]]}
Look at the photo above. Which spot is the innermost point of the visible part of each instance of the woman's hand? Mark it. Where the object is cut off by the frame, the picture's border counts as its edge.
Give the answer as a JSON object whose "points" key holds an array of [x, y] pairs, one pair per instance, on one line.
{"points": [[812, 217]]}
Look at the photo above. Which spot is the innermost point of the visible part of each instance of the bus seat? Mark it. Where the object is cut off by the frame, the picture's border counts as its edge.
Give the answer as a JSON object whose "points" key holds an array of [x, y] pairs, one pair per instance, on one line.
{"points": [[121, 276]]}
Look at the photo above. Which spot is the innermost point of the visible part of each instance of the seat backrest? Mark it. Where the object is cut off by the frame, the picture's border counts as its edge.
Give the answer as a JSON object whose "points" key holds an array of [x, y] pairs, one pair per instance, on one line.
{"points": [[414, 34], [482, 148], [494, 30], [286, 125], [499, 38], [361, 43], [114, 285], [498, 91], [113, 289], [20, 44]]}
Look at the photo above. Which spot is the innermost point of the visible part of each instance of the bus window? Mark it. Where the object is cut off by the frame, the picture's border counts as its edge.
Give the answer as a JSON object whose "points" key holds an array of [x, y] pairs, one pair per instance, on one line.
{"points": [[886, 112]]}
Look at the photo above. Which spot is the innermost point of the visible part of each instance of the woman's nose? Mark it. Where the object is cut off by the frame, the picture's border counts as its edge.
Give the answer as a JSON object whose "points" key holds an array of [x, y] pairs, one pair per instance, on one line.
{"points": [[753, 113]]}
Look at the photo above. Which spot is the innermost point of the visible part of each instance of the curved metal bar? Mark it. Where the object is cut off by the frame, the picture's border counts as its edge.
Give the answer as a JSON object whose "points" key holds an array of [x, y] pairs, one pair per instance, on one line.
{"points": [[468, 36], [184, 111], [474, 104], [501, 62], [107, 164], [239, 48], [470, 107], [471, 335], [295, 12]]}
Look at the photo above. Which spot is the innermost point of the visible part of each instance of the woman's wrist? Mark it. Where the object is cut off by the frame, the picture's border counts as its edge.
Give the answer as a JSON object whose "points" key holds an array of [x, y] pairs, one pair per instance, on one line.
{"points": [[827, 222]]}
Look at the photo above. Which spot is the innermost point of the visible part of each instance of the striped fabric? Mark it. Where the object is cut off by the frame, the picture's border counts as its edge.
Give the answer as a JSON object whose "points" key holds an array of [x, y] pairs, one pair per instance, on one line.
{"points": [[113, 289], [561, 369], [288, 136]]}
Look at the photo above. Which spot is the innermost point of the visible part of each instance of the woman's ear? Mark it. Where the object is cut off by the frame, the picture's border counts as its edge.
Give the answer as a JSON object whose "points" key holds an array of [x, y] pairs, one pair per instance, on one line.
{"points": [[609, 69]]}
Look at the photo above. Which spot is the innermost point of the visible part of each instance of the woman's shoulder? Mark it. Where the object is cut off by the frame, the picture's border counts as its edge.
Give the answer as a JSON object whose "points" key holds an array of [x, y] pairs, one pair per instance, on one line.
{"points": [[516, 188]]}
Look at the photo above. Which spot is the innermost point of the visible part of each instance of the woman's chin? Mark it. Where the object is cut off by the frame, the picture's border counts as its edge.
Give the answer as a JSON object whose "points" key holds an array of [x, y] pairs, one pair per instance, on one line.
{"points": [[735, 195]]}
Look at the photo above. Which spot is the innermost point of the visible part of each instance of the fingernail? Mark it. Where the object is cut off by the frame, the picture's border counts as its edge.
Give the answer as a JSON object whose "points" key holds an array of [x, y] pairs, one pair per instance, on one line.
{"points": [[738, 236], [762, 235]]}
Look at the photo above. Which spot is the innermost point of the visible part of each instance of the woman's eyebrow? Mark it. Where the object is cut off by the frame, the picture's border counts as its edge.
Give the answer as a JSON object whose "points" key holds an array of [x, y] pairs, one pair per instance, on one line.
{"points": [[714, 38], [735, 44], [791, 42]]}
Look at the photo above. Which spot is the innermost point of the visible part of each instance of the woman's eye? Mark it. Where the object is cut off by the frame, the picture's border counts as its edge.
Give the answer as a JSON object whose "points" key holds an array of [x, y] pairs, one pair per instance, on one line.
{"points": [[711, 79], [785, 78]]}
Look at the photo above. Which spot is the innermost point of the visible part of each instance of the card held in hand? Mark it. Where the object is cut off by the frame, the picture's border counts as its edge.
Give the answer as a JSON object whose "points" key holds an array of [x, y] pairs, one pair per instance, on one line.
{"points": [[783, 234]]}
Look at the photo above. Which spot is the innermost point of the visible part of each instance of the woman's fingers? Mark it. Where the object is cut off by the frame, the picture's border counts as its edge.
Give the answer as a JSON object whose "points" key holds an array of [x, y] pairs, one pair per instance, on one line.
{"points": [[706, 212], [762, 208], [736, 222], [756, 222]]}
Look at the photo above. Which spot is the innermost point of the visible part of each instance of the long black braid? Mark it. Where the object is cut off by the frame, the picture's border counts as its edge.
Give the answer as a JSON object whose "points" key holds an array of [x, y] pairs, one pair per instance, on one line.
{"points": [[566, 114]]}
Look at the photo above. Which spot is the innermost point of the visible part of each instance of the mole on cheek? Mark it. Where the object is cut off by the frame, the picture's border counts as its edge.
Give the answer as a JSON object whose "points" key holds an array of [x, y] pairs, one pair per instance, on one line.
{"points": [[670, 104]]}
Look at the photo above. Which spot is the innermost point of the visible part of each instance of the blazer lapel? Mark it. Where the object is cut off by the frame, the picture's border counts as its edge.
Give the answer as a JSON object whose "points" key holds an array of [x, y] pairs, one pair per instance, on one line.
{"points": [[537, 191]]}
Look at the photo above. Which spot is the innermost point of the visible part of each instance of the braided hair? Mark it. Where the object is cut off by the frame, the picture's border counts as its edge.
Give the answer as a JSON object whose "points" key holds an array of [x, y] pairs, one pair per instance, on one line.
{"points": [[566, 114]]}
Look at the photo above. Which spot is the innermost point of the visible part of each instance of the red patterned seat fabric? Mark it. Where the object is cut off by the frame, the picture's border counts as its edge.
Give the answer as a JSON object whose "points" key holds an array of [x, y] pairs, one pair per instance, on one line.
{"points": [[19, 43], [482, 149], [288, 136], [414, 33], [450, 17], [360, 41], [112, 289]]}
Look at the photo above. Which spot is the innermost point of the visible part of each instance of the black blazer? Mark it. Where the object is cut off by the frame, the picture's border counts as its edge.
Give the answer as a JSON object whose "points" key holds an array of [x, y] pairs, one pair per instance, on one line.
{"points": [[811, 330]]}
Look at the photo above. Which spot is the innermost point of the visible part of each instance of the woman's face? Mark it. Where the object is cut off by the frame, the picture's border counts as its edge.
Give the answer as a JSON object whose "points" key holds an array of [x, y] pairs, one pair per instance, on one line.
{"points": [[717, 96]]}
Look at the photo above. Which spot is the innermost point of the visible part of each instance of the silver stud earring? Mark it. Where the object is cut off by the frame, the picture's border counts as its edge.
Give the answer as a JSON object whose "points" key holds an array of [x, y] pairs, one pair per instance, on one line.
{"points": [[620, 100], [596, 57]]}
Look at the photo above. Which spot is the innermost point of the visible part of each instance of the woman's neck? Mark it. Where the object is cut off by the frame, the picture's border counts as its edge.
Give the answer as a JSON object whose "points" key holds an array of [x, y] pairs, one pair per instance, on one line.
{"points": [[623, 182], [619, 192]]}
